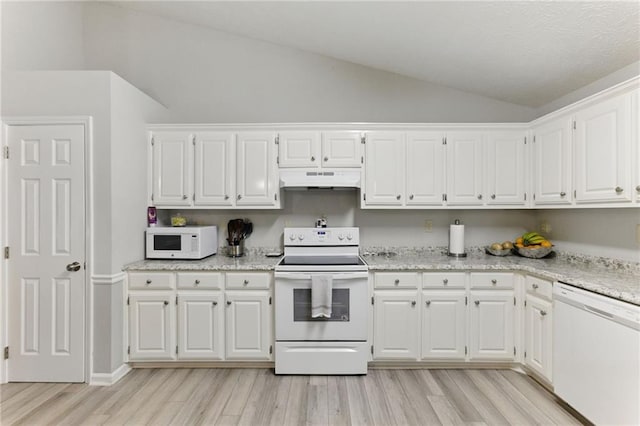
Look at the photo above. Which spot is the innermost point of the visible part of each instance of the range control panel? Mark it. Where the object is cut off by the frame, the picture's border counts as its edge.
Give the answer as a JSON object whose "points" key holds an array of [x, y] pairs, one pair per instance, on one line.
{"points": [[321, 236]]}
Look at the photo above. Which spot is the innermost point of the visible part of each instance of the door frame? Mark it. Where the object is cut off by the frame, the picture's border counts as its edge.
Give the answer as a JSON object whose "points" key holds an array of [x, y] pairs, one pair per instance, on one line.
{"points": [[87, 123]]}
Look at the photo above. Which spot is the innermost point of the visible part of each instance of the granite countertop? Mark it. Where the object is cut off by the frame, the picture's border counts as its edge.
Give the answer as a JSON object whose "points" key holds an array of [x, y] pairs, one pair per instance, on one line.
{"points": [[620, 280]]}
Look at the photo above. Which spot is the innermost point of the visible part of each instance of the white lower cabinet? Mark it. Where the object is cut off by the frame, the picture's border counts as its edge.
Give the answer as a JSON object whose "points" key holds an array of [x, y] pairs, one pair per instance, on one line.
{"points": [[152, 326], [200, 326], [444, 324], [492, 325], [538, 335], [248, 325], [396, 325]]}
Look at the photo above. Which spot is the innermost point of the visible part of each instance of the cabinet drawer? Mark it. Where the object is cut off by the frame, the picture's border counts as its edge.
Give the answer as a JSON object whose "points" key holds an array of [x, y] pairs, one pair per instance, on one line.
{"points": [[444, 280], [396, 280], [152, 281], [195, 280], [539, 287], [500, 280], [249, 280]]}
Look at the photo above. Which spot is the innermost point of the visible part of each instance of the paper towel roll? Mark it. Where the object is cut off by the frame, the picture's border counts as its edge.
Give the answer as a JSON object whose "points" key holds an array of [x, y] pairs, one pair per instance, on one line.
{"points": [[456, 240]]}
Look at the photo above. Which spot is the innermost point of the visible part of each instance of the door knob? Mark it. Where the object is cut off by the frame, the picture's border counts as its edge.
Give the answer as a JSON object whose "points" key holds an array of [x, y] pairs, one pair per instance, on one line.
{"points": [[477, 302], [413, 303], [562, 194], [411, 197], [618, 190], [398, 197], [228, 302], [493, 196], [479, 196], [73, 267], [313, 158], [428, 302]]}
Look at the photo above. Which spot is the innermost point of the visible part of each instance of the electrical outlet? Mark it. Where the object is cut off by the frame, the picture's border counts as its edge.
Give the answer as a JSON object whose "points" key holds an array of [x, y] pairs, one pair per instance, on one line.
{"points": [[428, 225], [638, 233], [545, 227]]}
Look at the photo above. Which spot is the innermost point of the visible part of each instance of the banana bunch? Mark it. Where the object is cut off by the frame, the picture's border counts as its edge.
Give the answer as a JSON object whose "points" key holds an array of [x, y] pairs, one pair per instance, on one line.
{"points": [[532, 240]]}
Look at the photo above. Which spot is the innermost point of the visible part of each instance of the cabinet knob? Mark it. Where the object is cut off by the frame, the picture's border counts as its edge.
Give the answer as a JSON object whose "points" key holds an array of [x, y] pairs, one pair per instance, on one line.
{"points": [[226, 197], [245, 282], [428, 302], [411, 197], [535, 286], [396, 282], [477, 302], [215, 303], [326, 158], [239, 197], [494, 281], [638, 189], [166, 303], [543, 313], [398, 197], [445, 281], [479, 196], [184, 197], [413, 303], [493, 196], [563, 194], [313, 158], [197, 282], [148, 282], [228, 302], [618, 190]]}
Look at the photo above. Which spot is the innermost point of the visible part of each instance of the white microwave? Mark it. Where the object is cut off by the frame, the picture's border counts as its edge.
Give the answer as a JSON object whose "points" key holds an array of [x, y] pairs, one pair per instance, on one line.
{"points": [[189, 242]]}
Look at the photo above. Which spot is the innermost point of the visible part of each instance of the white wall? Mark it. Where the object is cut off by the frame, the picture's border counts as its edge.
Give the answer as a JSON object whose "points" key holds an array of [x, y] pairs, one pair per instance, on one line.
{"points": [[595, 232], [203, 75], [42, 35], [389, 228]]}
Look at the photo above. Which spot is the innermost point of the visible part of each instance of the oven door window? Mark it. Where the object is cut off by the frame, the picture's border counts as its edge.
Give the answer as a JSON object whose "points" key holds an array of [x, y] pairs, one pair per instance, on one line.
{"points": [[302, 305], [167, 242]]}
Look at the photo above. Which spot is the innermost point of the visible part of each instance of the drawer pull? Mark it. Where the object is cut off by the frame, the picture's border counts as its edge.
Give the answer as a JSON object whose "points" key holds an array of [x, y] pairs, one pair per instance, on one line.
{"points": [[413, 303], [228, 302], [535, 286], [428, 302], [148, 282], [215, 303], [445, 281], [197, 282], [563, 194], [618, 190], [313, 158], [397, 281], [245, 282], [494, 281], [543, 313], [166, 303], [477, 302]]}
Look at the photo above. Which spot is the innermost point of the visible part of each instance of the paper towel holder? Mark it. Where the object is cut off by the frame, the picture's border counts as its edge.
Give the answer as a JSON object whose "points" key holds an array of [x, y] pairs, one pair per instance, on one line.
{"points": [[449, 253]]}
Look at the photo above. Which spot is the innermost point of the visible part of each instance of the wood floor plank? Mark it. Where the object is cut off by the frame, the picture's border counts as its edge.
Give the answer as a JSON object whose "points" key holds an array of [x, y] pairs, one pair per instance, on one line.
{"points": [[259, 397]]}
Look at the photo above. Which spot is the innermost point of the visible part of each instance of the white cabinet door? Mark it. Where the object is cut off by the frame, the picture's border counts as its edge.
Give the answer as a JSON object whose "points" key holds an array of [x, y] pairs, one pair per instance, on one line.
{"points": [[256, 170], [425, 169], [200, 326], [248, 325], [152, 327], [491, 325], [172, 168], [635, 140], [603, 151], [341, 149], [299, 149], [214, 169], [396, 325], [443, 325], [384, 169], [505, 166], [464, 168], [552, 162], [538, 337]]}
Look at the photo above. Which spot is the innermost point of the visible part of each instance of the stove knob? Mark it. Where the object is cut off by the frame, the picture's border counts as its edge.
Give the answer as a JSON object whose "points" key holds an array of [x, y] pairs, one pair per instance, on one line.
{"points": [[300, 237], [349, 237], [292, 237], [340, 237]]}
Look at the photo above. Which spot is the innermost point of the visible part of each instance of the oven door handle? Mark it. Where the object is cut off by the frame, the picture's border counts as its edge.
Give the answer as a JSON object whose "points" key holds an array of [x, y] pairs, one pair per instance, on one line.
{"points": [[335, 277]]}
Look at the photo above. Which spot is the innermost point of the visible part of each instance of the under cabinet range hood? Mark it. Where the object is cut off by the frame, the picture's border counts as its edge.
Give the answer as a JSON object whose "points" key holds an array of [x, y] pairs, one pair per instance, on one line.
{"points": [[327, 179]]}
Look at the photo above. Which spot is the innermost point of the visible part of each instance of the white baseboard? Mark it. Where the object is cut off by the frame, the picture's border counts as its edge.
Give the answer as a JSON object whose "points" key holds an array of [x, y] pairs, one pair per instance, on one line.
{"points": [[108, 379]]}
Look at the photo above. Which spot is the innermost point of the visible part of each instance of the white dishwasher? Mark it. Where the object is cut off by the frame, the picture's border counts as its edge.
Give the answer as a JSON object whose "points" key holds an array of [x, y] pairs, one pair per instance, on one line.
{"points": [[596, 355]]}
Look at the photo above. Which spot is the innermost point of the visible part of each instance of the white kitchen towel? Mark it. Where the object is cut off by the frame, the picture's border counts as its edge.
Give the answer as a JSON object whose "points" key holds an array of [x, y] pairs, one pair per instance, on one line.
{"points": [[321, 294]]}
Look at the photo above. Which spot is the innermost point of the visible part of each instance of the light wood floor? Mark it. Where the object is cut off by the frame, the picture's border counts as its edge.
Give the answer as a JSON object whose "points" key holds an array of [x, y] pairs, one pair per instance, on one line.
{"points": [[258, 397]]}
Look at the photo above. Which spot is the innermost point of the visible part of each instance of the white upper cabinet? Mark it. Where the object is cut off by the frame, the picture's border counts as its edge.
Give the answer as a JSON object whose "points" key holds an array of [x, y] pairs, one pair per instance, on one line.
{"points": [[256, 170], [603, 151], [384, 169], [505, 168], [341, 149], [464, 168], [172, 168], [214, 169], [425, 169], [311, 149], [299, 149], [552, 162]]}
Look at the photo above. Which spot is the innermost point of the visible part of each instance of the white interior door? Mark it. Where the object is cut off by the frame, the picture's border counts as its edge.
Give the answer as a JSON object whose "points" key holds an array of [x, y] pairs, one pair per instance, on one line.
{"points": [[46, 217]]}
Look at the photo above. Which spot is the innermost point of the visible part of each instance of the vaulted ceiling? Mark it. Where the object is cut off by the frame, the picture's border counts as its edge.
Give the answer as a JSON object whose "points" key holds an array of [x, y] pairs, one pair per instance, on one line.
{"points": [[528, 53]]}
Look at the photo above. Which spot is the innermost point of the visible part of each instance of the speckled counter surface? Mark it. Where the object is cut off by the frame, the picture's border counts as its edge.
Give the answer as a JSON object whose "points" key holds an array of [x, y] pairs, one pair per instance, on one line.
{"points": [[256, 261], [620, 280]]}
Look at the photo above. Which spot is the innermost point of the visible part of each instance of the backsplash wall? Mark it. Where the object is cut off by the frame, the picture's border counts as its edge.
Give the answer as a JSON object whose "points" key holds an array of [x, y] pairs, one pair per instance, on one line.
{"points": [[391, 228]]}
